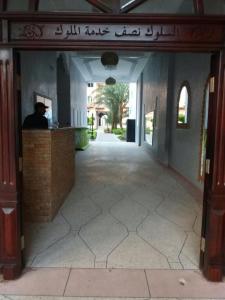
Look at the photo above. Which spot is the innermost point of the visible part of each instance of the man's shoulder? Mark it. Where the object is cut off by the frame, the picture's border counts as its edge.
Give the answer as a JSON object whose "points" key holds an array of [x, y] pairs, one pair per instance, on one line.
{"points": [[29, 117]]}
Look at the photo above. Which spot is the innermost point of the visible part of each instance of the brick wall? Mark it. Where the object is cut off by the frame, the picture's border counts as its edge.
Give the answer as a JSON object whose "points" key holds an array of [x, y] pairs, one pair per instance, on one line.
{"points": [[48, 171]]}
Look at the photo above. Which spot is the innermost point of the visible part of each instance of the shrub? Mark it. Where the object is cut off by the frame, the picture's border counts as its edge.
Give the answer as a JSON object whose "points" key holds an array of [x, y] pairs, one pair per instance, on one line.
{"points": [[118, 131], [90, 134]]}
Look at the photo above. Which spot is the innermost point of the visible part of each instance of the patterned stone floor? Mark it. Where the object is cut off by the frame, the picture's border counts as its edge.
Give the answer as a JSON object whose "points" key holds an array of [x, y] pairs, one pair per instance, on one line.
{"points": [[125, 211]]}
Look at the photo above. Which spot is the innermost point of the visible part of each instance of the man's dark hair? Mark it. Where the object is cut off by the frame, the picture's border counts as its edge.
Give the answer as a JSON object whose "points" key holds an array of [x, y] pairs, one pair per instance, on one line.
{"points": [[39, 105]]}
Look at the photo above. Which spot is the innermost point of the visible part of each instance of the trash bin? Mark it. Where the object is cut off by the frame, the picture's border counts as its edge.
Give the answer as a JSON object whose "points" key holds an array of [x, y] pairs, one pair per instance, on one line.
{"points": [[81, 138], [130, 130]]}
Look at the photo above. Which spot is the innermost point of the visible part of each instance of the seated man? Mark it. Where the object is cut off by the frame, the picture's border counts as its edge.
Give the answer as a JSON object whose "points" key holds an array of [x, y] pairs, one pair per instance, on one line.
{"points": [[37, 120]]}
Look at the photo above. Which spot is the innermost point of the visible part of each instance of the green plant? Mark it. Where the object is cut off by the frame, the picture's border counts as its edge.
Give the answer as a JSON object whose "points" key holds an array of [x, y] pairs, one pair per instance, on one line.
{"points": [[118, 131], [90, 120], [115, 98], [92, 136], [181, 119], [148, 130]]}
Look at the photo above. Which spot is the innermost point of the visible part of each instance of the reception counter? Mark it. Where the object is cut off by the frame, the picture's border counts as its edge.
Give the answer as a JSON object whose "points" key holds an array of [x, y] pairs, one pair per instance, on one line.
{"points": [[48, 171]]}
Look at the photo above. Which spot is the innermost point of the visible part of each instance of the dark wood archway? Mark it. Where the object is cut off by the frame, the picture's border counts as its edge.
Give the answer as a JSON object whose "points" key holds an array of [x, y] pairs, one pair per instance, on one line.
{"points": [[67, 31]]}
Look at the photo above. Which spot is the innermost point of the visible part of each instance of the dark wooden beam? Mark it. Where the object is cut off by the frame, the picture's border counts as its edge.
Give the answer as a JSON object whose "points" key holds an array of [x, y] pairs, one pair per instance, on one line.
{"points": [[99, 5], [33, 5], [3, 5], [131, 6], [116, 6], [199, 7]]}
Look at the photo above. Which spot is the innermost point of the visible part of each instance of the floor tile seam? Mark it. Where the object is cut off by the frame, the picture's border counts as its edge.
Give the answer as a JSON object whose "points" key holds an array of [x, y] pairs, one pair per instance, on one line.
{"points": [[144, 206], [175, 201], [7, 297], [142, 221], [139, 225], [89, 221], [185, 255], [117, 202], [115, 218], [184, 242], [87, 245], [172, 222], [148, 283], [107, 257], [139, 203], [64, 291], [50, 246], [96, 204], [102, 208], [157, 250], [193, 227], [190, 260], [65, 219], [161, 202]]}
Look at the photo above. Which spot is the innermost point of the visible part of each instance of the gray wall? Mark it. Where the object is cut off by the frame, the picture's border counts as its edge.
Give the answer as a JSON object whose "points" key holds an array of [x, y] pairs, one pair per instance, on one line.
{"points": [[38, 74], [185, 143], [78, 94], [162, 79], [155, 89], [139, 112], [63, 91]]}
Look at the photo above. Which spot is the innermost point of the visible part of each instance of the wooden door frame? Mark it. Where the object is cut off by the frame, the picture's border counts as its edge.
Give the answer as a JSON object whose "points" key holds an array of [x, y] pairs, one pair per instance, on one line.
{"points": [[169, 33]]}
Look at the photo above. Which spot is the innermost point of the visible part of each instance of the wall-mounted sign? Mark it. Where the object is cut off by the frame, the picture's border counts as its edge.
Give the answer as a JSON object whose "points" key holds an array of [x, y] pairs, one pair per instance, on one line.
{"points": [[91, 32], [112, 32]]}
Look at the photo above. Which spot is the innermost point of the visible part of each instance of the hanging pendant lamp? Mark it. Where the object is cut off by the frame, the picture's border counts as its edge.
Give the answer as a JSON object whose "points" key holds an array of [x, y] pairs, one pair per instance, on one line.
{"points": [[110, 81], [109, 60]]}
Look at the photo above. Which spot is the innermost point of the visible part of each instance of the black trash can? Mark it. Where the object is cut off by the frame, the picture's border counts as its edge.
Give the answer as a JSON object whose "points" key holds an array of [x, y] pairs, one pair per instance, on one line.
{"points": [[130, 130]]}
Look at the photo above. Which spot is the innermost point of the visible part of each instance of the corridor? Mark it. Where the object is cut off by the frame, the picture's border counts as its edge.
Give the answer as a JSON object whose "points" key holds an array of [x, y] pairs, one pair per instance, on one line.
{"points": [[125, 211]]}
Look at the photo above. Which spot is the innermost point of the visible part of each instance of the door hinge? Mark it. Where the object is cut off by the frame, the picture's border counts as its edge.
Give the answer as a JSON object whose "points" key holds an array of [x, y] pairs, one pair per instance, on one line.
{"points": [[20, 164], [203, 244], [212, 84], [22, 242], [207, 166]]}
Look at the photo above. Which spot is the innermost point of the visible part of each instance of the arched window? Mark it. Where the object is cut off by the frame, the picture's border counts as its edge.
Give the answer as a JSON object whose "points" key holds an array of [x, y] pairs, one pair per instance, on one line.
{"points": [[204, 132], [183, 106]]}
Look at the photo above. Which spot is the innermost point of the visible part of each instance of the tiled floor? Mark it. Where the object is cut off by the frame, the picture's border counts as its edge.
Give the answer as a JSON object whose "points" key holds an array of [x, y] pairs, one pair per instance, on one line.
{"points": [[125, 211], [130, 229], [63, 283]]}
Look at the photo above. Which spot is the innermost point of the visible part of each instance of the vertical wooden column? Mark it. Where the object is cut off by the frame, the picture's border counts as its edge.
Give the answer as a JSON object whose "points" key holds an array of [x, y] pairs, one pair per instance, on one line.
{"points": [[213, 229], [10, 187]]}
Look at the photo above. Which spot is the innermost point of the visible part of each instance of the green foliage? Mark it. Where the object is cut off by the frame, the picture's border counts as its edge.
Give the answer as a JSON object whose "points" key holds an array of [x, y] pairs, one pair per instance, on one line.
{"points": [[90, 120], [122, 137], [115, 98], [181, 119], [92, 137], [118, 131], [148, 130]]}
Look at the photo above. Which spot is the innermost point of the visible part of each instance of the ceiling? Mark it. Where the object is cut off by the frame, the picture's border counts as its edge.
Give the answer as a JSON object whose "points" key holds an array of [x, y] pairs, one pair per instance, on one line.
{"points": [[128, 69]]}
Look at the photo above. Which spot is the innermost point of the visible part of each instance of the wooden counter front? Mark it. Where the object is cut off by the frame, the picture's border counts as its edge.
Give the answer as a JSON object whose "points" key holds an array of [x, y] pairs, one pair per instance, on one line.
{"points": [[48, 171]]}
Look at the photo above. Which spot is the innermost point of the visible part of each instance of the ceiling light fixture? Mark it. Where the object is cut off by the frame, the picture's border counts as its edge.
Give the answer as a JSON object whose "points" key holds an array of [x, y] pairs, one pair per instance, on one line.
{"points": [[110, 81], [109, 60]]}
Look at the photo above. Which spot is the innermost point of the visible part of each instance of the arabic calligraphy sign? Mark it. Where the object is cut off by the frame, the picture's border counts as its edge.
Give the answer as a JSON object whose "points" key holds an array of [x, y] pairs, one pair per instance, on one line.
{"points": [[28, 31]]}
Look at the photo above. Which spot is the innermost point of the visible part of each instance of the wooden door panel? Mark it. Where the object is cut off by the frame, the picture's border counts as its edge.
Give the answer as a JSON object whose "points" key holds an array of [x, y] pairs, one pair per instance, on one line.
{"points": [[10, 248], [213, 228]]}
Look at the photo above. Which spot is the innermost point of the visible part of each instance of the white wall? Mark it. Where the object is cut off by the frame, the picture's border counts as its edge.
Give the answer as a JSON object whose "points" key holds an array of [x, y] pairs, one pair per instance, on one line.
{"points": [[184, 151], [78, 96], [155, 94], [162, 79], [38, 74]]}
